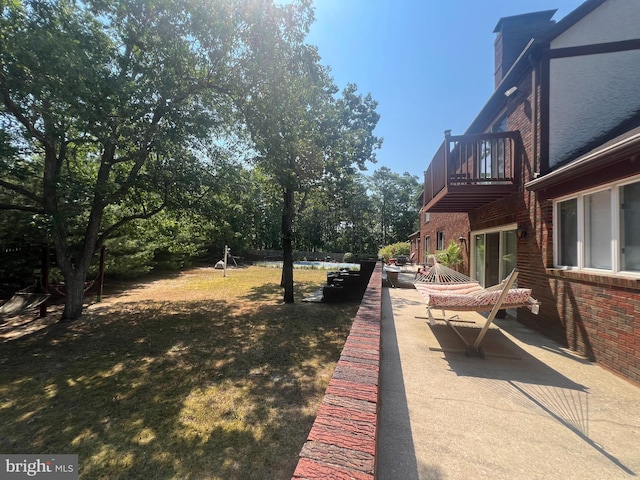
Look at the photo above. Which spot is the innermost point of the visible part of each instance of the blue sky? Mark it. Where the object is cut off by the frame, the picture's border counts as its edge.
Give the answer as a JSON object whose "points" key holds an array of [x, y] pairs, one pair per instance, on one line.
{"points": [[428, 63]]}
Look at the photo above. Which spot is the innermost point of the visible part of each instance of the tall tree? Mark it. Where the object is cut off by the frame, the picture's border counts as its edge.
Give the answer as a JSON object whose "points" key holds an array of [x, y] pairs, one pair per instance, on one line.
{"points": [[339, 217], [104, 99], [304, 134], [395, 197]]}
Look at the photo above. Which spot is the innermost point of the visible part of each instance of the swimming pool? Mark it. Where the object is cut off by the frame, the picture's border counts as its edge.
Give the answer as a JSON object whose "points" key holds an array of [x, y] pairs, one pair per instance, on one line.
{"points": [[312, 264]]}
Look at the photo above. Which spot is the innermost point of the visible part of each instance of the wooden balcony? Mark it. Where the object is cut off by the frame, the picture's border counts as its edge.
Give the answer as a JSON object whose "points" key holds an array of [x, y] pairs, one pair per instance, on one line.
{"points": [[470, 171]]}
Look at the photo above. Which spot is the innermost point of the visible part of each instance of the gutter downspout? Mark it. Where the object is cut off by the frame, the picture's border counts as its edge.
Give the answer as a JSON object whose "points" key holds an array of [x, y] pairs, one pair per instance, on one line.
{"points": [[534, 128]]}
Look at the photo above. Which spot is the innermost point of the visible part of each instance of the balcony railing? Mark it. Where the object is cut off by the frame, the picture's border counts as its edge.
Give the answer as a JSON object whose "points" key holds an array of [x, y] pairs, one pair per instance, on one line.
{"points": [[469, 171]]}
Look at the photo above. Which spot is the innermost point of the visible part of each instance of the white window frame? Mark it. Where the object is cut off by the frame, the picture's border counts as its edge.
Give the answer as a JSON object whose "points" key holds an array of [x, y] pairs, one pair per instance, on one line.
{"points": [[427, 217], [580, 196], [440, 240]]}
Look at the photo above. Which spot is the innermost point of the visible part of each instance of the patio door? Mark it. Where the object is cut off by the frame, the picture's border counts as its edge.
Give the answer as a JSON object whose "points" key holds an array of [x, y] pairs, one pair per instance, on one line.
{"points": [[494, 255]]}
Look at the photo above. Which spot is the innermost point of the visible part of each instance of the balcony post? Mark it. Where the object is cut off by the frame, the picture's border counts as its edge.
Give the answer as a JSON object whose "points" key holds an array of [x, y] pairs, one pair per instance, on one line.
{"points": [[447, 137]]}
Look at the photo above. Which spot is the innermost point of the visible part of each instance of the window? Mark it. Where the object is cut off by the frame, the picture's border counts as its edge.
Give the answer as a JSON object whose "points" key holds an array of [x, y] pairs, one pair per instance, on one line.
{"points": [[568, 217], [427, 246], [427, 217], [630, 227], [500, 125], [599, 229], [440, 245], [491, 161]]}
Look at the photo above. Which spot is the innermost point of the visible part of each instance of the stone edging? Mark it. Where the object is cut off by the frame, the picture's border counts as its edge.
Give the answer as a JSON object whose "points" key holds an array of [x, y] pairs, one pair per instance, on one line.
{"points": [[342, 440]]}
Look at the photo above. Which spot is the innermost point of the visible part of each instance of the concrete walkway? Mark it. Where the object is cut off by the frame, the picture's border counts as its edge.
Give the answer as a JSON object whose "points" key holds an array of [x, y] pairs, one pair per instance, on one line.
{"points": [[547, 415]]}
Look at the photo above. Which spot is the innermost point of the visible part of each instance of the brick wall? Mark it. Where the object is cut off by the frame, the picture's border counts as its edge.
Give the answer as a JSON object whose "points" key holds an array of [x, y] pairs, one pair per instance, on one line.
{"points": [[595, 315], [455, 225], [342, 440]]}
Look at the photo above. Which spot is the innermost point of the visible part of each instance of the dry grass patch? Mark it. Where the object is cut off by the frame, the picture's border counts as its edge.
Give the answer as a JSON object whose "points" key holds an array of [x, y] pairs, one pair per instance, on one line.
{"points": [[196, 376]]}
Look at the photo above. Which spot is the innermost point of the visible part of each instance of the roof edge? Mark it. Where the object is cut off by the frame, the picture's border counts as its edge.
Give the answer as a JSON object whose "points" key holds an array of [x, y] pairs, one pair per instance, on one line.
{"points": [[572, 18], [590, 160], [541, 15]]}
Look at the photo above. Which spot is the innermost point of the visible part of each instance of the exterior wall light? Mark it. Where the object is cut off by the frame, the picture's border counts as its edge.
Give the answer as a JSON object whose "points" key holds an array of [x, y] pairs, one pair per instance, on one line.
{"points": [[521, 232], [511, 92]]}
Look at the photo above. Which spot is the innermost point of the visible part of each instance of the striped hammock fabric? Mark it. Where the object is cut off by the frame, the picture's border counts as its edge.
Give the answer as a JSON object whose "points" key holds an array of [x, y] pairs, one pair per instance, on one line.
{"points": [[444, 288], [477, 300], [438, 274]]}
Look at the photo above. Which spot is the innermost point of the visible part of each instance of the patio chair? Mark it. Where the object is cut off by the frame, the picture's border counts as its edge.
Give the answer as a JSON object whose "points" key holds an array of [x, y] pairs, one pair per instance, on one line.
{"points": [[390, 274], [470, 296], [422, 272]]}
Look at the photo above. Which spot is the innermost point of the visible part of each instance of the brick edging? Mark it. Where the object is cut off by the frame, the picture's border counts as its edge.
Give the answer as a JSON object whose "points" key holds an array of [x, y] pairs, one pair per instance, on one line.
{"points": [[342, 440]]}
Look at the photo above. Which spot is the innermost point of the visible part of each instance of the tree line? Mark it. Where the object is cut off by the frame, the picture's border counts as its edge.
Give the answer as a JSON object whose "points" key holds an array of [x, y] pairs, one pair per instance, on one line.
{"points": [[166, 128]]}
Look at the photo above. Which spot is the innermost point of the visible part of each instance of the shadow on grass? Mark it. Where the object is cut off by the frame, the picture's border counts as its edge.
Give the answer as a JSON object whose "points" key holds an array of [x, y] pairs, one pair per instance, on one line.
{"points": [[273, 291], [173, 390], [269, 291], [120, 285]]}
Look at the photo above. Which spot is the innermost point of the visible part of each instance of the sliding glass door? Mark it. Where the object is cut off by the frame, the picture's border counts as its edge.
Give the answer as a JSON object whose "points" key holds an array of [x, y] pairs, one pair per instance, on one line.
{"points": [[494, 255]]}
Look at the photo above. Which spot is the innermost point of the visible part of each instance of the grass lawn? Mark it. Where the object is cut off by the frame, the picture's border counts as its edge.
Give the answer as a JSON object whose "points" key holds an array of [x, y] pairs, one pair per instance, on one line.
{"points": [[196, 376]]}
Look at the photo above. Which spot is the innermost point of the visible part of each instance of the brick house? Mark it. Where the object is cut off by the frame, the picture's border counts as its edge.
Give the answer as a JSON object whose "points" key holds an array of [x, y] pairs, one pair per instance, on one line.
{"points": [[547, 178]]}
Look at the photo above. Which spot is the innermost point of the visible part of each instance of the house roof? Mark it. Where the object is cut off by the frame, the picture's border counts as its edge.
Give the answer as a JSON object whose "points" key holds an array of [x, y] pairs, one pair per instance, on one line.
{"points": [[617, 148], [524, 61], [528, 17], [497, 99]]}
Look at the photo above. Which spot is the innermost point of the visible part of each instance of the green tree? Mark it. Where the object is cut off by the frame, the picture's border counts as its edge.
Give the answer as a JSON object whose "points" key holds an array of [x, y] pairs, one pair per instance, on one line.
{"points": [[303, 134], [360, 236], [338, 217], [395, 197], [265, 211], [105, 101]]}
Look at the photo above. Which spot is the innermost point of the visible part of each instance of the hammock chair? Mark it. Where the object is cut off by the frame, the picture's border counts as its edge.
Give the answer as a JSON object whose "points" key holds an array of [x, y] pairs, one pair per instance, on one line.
{"points": [[446, 289]]}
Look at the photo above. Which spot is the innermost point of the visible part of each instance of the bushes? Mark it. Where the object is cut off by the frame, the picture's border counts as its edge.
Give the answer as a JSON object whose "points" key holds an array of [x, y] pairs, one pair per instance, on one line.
{"points": [[390, 251], [348, 258], [450, 256]]}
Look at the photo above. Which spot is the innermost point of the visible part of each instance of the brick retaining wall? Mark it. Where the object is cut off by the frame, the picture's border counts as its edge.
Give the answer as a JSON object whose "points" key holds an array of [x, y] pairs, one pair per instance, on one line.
{"points": [[342, 440]]}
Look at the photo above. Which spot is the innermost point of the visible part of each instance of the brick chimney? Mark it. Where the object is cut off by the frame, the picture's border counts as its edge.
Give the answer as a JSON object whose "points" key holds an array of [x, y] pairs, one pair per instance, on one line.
{"points": [[513, 34]]}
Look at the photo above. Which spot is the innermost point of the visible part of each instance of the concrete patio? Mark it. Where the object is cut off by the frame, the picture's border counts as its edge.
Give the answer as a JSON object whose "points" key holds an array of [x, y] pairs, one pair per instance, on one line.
{"points": [[536, 412]]}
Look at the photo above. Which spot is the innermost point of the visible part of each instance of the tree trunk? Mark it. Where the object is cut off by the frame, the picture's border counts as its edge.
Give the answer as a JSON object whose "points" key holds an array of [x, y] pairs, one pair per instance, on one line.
{"points": [[287, 248], [74, 285], [75, 263]]}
